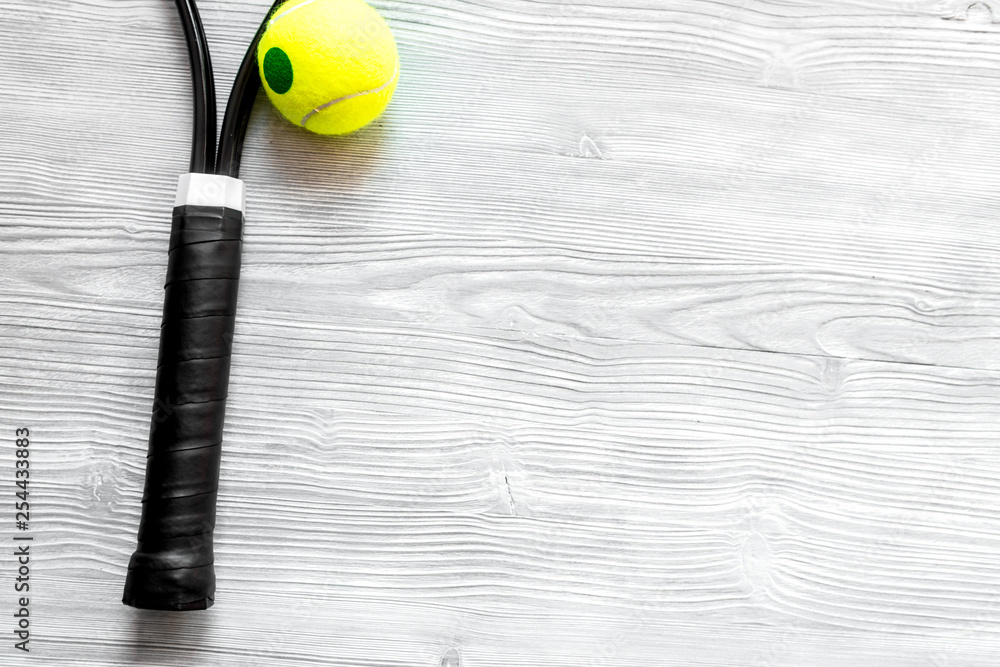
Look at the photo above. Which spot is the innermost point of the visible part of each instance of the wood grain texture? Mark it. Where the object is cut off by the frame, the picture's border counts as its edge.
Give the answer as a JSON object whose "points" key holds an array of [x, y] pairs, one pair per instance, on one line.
{"points": [[657, 332]]}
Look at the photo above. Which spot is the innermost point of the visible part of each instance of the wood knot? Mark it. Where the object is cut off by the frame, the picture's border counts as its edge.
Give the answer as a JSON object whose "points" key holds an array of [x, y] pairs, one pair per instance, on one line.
{"points": [[451, 658]]}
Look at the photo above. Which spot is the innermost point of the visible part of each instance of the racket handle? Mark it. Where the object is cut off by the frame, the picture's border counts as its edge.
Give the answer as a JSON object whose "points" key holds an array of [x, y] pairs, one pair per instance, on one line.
{"points": [[172, 567]]}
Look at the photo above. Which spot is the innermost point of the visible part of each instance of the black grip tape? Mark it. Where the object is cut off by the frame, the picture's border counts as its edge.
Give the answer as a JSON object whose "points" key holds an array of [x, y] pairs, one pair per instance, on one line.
{"points": [[172, 567]]}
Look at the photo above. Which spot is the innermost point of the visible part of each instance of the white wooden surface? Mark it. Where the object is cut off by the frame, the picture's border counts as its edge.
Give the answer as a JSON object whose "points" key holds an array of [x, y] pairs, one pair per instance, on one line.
{"points": [[637, 332]]}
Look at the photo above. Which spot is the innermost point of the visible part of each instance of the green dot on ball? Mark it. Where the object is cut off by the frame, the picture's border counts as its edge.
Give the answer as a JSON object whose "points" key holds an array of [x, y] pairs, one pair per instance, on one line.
{"points": [[278, 70]]}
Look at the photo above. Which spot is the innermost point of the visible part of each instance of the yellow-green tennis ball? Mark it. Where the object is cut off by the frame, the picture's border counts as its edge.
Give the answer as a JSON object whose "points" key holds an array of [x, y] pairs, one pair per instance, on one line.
{"points": [[330, 66]]}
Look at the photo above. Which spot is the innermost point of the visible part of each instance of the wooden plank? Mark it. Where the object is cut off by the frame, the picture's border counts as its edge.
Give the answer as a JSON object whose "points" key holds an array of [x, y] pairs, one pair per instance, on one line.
{"points": [[417, 465], [826, 225]]}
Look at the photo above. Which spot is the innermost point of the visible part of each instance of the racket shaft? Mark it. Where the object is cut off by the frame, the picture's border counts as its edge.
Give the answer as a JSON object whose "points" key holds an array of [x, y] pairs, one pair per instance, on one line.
{"points": [[172, 567]]}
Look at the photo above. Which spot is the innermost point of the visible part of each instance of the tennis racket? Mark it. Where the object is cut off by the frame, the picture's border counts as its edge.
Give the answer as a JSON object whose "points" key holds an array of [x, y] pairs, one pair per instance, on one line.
{"points": [[173, 564]]}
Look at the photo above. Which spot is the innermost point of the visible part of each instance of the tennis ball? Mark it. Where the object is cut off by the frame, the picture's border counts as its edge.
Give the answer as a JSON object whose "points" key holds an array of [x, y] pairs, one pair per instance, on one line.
{"points": [[330, 66]]}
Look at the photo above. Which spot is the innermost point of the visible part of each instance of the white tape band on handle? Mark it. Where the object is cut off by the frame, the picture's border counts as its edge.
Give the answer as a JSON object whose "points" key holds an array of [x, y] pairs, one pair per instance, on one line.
{"points": [[211, 190]]}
